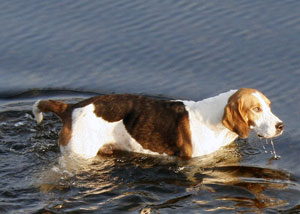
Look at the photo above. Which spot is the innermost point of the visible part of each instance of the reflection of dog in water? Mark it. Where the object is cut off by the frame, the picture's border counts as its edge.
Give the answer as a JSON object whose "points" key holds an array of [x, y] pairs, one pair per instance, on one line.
{"points": [[104, 124]]}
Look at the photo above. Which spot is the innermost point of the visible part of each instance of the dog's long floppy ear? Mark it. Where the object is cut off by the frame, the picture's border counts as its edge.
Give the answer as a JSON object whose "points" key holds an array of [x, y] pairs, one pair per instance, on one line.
{"points": [[234, 118]]}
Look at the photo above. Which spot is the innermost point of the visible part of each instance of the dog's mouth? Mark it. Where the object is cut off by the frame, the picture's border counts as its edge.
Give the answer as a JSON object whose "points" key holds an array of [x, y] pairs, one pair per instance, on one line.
{"points": [[269, 137]]}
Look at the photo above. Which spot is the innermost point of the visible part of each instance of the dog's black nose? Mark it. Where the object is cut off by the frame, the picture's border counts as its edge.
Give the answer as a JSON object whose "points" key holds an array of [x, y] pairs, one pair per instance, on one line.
{"points": [[279, 126]]}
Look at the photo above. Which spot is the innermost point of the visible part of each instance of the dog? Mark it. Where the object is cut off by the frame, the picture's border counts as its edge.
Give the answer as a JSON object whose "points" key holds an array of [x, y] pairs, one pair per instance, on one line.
{"points": [[104, 124]]}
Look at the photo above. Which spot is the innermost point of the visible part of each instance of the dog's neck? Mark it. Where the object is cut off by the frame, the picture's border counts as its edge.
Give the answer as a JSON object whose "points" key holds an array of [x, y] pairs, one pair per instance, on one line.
{"points": [[206, 124], [209, 111]]}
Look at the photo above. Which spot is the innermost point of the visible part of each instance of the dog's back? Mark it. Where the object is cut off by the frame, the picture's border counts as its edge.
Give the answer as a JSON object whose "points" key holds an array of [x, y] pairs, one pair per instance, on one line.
{"points": [[126, 122]]}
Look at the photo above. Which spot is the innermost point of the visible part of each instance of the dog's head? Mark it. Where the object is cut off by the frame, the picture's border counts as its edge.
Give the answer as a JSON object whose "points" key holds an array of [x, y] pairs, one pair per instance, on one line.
{"points": [[249, 109]]}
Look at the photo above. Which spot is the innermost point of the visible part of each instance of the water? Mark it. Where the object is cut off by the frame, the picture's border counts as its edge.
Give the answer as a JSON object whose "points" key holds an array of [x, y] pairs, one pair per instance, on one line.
{"points": [[70, 50]]}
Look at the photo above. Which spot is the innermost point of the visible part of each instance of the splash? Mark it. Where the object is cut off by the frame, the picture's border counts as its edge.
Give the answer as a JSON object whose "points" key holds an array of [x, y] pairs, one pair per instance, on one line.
{"points": [[275, 156], [265, 150]]}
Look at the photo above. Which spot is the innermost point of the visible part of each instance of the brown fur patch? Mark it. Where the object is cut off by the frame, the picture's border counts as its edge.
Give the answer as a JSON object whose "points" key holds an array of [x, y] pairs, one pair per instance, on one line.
{"points": [[107, 149], [64, 111], [158, 125], [184, 136], [66, 132], [53, 106]]}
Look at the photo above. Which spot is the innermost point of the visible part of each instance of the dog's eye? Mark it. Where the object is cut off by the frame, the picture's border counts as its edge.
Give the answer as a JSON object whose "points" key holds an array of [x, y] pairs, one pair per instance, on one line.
{"points": [[257, 109]]}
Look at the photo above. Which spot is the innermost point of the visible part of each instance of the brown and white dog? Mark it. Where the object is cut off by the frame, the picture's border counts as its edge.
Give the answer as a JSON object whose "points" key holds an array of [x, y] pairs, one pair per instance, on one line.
{"points": [[103, 124]]}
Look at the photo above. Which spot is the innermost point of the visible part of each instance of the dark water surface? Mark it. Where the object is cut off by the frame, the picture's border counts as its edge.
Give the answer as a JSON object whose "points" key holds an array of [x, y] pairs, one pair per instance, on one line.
{"points": [[70, 50]]}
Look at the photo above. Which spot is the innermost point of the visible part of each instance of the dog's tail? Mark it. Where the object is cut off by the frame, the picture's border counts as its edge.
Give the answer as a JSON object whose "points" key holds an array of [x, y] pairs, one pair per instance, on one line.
{"points": [[40, 106]]}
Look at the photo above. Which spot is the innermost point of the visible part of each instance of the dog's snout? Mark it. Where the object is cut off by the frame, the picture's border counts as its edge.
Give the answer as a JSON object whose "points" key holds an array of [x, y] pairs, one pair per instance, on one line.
{"points": [[279, 126]]}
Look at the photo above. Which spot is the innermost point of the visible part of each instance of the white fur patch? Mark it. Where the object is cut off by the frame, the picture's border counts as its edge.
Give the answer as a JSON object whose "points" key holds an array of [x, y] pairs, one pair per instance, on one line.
{"points": [[208, 132], [90, 133], [38, 115]]}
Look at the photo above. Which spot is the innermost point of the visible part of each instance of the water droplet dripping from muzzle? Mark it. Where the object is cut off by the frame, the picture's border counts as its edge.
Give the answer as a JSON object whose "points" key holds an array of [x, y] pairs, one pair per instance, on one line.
{"points": [[276, 157]]}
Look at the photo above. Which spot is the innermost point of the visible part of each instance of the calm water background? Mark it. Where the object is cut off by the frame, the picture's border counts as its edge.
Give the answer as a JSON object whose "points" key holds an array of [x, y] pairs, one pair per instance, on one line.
{"points": [[179, 49]]}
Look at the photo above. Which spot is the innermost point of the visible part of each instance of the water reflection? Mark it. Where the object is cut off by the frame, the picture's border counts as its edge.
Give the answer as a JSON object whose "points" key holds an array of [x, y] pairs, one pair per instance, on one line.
{"points": [[255, 181], [131, 182], [250, 187]]}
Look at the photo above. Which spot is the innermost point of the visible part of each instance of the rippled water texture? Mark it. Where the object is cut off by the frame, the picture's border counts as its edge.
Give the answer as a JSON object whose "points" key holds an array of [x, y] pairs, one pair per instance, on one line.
{"points": [[181, 49]]}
